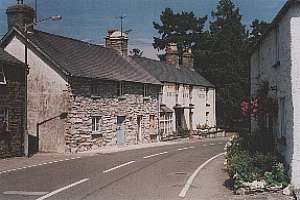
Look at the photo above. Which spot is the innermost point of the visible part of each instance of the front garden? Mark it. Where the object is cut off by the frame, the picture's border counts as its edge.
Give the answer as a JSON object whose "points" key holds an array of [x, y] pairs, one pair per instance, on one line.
{"points": [[252, 160]]}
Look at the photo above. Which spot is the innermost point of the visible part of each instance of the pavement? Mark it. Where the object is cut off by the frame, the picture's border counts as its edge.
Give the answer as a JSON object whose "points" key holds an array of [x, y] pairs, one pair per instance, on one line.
{"points": [[144, 172], [211, 184]]}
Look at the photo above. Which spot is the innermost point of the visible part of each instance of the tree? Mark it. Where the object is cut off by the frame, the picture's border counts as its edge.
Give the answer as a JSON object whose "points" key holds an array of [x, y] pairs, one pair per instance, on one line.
{"points": [[183, 28], [224, 60], [258, 29], [136, 52]]}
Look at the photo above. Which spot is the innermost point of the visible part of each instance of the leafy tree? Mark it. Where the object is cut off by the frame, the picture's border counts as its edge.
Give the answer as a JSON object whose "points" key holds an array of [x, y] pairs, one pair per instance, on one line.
{"points": [[224, 60], [136, 52], [183, 28], [258, 29]]}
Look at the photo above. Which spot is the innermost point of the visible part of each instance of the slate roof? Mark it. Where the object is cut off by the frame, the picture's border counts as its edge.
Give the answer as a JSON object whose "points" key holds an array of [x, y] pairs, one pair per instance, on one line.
{"points": [[6, 58], [81, 59], [171, 74]]}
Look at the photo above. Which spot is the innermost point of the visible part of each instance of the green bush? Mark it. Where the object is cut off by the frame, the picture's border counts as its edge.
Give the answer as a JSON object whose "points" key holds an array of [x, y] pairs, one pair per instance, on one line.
{"points": [[244, 165], [183, 132], [277, 177]]}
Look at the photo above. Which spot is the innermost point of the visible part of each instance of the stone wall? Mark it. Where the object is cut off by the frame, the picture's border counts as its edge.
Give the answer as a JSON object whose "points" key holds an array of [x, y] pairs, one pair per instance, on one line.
{"points": [[12, 98], [107, 104]]}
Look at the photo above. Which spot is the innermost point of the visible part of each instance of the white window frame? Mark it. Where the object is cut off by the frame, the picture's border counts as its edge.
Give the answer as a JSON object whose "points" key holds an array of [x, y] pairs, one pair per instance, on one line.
{"points": [[4, 79], [4, 115], [96, 124], [282, 118]]}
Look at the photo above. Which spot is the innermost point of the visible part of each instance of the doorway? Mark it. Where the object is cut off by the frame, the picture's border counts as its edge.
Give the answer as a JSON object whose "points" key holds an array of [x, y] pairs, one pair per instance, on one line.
{"points": [[120, 130], [139, 134]]}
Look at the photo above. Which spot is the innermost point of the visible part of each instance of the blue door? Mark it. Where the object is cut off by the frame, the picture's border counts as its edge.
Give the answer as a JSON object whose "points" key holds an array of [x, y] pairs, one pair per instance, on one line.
{"points": [[120, 129]]}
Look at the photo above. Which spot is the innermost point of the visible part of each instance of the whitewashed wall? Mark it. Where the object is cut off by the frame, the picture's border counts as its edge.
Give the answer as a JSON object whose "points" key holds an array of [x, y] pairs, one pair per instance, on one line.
{"points": [[199, 99], [286, 78], [46, 99]]}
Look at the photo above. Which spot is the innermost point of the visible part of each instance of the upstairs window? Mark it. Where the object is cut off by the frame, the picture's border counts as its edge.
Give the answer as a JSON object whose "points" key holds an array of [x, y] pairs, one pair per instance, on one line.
{"points": [[2, 77], [95, 90], [146, 90], [120, 89]]}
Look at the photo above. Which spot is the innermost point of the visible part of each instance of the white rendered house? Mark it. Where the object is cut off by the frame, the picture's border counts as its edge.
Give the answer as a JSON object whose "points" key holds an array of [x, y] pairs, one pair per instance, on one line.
{"points": [[277, 61]]}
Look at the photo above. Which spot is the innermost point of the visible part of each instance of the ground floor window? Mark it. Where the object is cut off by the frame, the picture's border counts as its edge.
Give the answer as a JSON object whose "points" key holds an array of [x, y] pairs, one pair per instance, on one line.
{"points": [[3, 119], [166, 124], [96, 124]]}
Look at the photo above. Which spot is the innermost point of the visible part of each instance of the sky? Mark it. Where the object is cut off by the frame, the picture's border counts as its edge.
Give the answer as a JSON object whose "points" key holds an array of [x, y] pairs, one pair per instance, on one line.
{"points": [[89, 20]]}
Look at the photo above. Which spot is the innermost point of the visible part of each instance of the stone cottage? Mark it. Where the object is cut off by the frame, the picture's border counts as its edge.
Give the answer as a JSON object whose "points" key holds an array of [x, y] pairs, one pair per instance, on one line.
{"points": [[12, 105], [187, 100], [81, 96], [276, 61]]}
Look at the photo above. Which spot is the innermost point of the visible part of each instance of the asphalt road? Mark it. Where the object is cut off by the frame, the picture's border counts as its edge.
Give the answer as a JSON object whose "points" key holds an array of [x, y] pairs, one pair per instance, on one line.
{"points": [[157, 173]]}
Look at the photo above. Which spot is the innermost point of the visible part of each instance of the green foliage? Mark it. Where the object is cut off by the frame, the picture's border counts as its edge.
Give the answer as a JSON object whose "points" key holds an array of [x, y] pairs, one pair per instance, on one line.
{"points": [[277, 177], [183, 132], [183, 28], [259, 28], [246, 162], [136, 52]]}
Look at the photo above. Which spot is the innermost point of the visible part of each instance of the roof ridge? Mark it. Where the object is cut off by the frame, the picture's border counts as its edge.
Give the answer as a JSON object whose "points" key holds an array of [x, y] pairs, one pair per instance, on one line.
{"points": [[69, 38]]}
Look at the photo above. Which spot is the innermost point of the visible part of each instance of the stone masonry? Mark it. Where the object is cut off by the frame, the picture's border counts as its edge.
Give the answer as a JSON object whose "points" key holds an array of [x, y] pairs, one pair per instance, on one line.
{"points": [[12, 96], [108, 104]]}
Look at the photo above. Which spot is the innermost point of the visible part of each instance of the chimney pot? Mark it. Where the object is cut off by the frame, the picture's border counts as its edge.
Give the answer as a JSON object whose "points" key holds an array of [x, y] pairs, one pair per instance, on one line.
{"points": [[117, 40], [20, 14]]}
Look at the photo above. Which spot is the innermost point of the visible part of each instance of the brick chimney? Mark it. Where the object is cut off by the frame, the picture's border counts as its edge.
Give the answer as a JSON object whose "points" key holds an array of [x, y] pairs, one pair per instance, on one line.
{"points": [[188, 59], [172, 57], [20, 14], [117, 40]]}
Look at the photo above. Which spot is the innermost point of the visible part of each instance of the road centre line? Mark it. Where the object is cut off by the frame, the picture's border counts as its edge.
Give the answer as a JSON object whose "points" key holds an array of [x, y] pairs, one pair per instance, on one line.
{"points": [[157, 154], [119, 166], [192, 177], [24, 193], [185, 148], [35, 165], [62, 189]]}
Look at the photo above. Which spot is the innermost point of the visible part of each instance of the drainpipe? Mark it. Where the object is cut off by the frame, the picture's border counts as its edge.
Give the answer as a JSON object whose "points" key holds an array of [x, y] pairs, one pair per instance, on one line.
{"points": [[158, 131]]}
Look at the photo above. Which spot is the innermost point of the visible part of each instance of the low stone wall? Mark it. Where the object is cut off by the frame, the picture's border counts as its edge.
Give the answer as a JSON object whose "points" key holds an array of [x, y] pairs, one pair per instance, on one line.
{"points": [[108, 105]]}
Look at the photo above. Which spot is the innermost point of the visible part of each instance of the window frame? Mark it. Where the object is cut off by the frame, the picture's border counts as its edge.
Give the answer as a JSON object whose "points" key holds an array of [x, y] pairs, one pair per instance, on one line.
{"points": [[4, 79], [5, 114], [96, 125]]}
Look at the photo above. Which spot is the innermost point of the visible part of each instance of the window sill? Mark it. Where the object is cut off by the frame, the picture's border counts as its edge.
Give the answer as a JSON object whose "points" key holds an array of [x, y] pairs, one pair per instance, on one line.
{"points": [[147, 98], [121, 98], [96, 133], [95, 97], [277, 64]]}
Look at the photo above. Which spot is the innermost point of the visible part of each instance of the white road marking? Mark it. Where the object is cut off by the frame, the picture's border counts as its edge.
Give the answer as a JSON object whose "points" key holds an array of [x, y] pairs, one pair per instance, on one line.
{"points": [[119, 166], [211, 144], [204, 145], [185, 148], [192, 177], [157, 154], [62, 189], [35, 165], [24, 193]]}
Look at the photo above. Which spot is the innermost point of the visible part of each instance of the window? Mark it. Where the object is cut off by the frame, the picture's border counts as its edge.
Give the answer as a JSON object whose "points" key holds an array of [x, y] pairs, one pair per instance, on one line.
{"points": [[282, 123], [276, 44], [120, 89], [146, 92], [95, 91], [2, 77], [96, 125], [4, 118]]}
